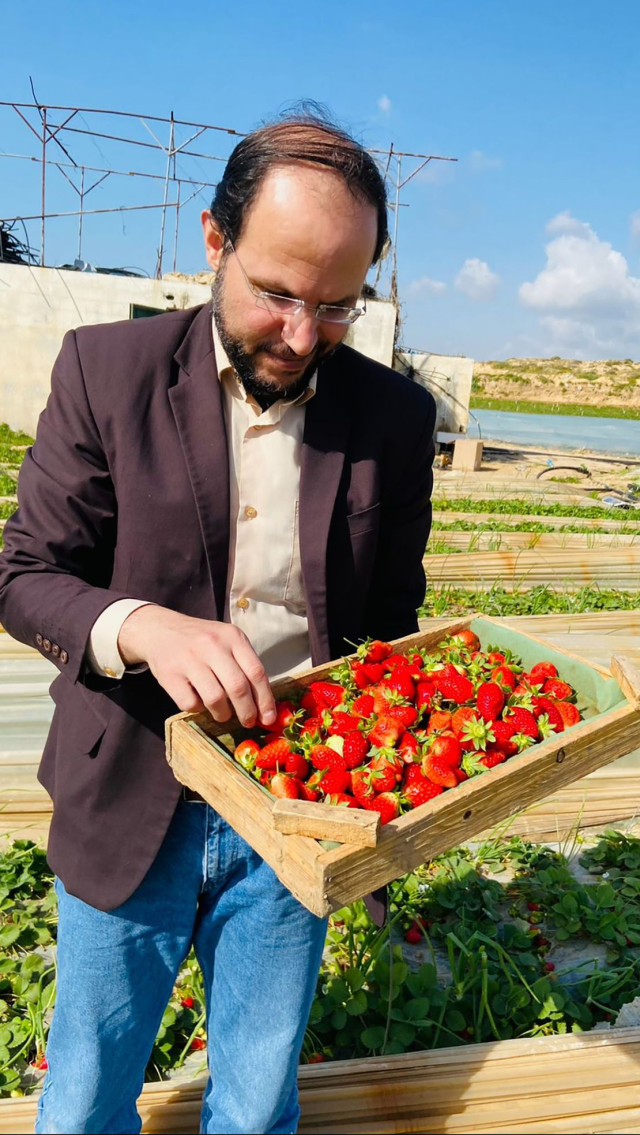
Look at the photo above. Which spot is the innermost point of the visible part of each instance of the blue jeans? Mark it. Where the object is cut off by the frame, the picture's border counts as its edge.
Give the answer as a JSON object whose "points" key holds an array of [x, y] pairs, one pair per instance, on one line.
{"points": [[259, 950]]}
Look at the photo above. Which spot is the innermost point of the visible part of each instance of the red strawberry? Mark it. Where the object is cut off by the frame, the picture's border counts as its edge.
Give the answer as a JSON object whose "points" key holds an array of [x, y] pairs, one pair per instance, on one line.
{"points": [[569, 713], [424, 695], [503, 731], [284, 787], [341, 800], [335, 780], [187, 1002], [446, 748], [461, 775], [453, 686], [413, 935], [273, 754], [374, 671], [387, 804], [386, 731], [197, 1044], [467, 639], [407, 715], [327, 694], [461, 718], [322, 756], [408, 747], [311, 703], [312, 725], [285, 714], [245, 754], [359, 675], [525, 726], [495, 757], [440, 719], [490, 700], [316, 1058], [355, 749], [297, 765], [541, 671], [554, 688], [505, 676], [496, 657], [361, 784], [395, 660], [419, 790], [412, 775], [342, 723], [386, 770], [437, 770], [547, 707], [380, 703], [401, 681], [307, 791], [363, 706], [377, 651]]}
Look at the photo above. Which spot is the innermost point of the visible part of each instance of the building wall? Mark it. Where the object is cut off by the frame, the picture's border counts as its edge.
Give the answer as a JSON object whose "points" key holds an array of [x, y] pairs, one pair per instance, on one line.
{"points": [[38, 305], [448, 378]]}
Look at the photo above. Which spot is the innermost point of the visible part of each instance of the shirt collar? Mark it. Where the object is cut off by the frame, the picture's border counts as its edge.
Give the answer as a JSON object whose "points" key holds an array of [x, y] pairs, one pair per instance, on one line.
{"points": [[226, 373]]}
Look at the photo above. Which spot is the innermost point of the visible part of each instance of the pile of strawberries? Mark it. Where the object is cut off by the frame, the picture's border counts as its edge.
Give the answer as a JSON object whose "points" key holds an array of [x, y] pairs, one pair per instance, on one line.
{"points": [[391, 731]]}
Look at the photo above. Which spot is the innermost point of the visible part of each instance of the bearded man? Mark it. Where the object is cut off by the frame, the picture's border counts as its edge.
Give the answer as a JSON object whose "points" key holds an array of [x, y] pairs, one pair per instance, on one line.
{"points": [[215, 497]]}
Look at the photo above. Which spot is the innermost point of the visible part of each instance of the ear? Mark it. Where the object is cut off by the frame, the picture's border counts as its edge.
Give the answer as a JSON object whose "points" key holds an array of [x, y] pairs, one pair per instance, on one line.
{"points": [[213, 240]]}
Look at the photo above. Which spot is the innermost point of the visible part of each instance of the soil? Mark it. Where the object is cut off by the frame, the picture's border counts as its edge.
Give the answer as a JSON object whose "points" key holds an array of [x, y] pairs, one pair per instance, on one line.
{"points": [[609, 382]]}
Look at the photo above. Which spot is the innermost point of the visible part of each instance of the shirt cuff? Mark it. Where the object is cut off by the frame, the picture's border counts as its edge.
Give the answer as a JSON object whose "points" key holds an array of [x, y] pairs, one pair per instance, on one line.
{"points": [[102, 654]]}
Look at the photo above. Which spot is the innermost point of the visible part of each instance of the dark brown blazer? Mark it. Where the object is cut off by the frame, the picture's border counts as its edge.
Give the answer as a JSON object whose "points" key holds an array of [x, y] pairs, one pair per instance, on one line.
{"points": [[125, 493]]}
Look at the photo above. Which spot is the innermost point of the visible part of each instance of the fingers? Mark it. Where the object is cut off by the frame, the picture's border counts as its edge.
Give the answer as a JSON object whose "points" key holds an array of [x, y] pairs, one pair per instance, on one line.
{"points": [[256, 675]]}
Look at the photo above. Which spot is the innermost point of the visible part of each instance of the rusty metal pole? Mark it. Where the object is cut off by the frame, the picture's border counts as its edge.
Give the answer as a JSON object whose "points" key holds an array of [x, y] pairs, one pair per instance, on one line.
{"points": [[164, 205], [44, 172], [394, 270], [81, 214], [175, 238]]}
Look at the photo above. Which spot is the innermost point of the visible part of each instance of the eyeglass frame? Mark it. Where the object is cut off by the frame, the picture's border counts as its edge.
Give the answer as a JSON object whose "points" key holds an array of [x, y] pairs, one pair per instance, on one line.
{"points": [[298, 304]]}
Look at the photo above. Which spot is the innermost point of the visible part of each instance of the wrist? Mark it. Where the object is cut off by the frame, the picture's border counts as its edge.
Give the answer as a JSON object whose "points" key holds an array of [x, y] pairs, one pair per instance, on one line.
{"points": [[131, 637]]}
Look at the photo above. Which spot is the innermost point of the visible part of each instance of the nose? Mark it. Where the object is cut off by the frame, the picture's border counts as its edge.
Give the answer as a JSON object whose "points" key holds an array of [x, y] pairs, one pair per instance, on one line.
{"points": [[300, 332]]}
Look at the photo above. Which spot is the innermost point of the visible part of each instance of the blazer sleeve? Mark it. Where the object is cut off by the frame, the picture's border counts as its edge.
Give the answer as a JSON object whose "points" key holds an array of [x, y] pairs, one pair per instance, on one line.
{"points": [[59, 545], [398, 584]]}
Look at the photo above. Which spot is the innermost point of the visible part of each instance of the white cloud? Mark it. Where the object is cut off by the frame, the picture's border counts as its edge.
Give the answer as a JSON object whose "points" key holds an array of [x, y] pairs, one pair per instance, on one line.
{"points": [[588, 302], [384, 104], [426, 284], [635, 224], [481, 163], [476, 280]]}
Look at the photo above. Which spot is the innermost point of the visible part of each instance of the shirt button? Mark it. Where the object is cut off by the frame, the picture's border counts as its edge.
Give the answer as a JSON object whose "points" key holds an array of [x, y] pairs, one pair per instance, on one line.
{"points": [[257, 427], [109, 672], [39, 639], [250, 512], [242, 604], [55, 650], [46, 644], [64, 657]]}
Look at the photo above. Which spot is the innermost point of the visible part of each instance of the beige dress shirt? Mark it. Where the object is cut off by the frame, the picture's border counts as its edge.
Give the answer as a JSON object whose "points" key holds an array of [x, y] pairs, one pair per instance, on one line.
{"points": [[265, 593]]}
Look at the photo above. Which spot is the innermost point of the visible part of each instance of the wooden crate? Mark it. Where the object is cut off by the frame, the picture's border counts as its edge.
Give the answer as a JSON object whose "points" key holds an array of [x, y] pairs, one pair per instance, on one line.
{"points": [[324, 877], [562, 1085]]}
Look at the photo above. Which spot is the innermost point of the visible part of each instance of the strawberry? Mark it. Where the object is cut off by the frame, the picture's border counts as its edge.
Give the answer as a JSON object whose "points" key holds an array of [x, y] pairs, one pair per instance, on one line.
{"points": [[307, 791], [381, 705], [341, 799], [419, 790], [413, 935], [355, 749], [407, 715], [400, 680], [503, 731], [245, 754], [311, 703], [461, 717], [316, 1058], [437, 770], [446, 748], [541, 671], [545, 706], [312, 726], [342, 723], [413, 774], [285, 714], [273, 754], [361, 784], [297, 765], [439, 720], [376, 651], [461, 775], [569, 713], [363, 706], [386, 770], [327, 694], [467, 639], [478, 734], [359, 675], [454, 686], [187, 1002], [505, 676], [197, 1044], [322, 756], [387, 804], [374, 671], [554, 688], [395, 660], [524, 723], [490, 700], [284, 787], [335, 780], [386, 731], [496, 657], [408, 747], [424, 695], [495, 757]]}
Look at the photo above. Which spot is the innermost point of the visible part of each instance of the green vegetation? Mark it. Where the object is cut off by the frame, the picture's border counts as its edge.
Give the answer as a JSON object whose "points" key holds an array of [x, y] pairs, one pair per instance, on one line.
{"points": [[7, 485], [533, 526], [13, 437], [520, 507], [540, 600], [521, 406]]}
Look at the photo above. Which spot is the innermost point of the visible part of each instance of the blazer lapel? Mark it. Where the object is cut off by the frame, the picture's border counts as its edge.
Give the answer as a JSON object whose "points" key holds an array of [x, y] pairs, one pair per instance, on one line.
{"points": [[196, 401], [327, 424]]}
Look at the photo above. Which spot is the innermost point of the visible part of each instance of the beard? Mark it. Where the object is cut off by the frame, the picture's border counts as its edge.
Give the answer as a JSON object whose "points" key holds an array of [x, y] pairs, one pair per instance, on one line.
{"points": [[245, 361]]}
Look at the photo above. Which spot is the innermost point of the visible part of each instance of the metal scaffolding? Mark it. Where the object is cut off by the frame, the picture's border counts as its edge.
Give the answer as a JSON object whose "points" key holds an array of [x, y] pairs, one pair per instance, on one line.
{"points": [[56, 128]]}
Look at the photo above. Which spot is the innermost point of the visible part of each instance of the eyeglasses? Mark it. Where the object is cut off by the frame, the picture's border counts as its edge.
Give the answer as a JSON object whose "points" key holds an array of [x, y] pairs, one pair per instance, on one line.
{"points": [[286, 305]]}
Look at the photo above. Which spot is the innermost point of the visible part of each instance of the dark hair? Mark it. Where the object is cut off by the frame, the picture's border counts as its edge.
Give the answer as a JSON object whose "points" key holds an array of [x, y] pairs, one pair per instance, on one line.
{"points": [[305, 135]]}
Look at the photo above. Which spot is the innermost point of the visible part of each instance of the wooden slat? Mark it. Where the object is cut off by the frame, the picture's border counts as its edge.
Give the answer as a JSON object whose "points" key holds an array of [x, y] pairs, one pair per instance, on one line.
{"points": [[540, 541], [344, 825], [559, 569], [616, 523]]}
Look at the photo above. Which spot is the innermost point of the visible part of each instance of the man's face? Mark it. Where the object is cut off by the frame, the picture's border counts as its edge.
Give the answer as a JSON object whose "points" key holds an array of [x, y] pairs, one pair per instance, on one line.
{"points": [[304, 236]]}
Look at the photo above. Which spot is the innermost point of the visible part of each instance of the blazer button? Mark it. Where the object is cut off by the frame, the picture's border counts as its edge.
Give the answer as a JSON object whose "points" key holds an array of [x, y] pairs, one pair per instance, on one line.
{"points": [[64, 657], [46, 644], [39, 639], [55, 650]]}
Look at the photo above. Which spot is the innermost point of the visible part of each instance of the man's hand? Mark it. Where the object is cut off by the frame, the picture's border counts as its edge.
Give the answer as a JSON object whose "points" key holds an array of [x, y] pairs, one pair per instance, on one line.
{"points": [[200, 663]]}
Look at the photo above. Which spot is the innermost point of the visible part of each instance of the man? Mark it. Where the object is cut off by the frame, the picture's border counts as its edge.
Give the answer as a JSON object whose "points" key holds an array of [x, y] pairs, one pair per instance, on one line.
{"points": [[208, 503]]}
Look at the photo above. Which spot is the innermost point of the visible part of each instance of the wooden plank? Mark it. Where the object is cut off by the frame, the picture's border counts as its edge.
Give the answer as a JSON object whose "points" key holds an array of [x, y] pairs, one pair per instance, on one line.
{"points": [[556, 569], [344, 825], [615, 524], [540, 541]]}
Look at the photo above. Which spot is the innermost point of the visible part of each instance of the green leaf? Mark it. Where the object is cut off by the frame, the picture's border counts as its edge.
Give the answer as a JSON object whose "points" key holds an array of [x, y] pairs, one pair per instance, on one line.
{"points": [[9, 935], [169, 1017], [417, 1009], [455, 1021], [373, 1037], [404, 1033], [393, 1048], [338, 989], [400, 971], [357, 1005], [339, 1018], [354, 979]]}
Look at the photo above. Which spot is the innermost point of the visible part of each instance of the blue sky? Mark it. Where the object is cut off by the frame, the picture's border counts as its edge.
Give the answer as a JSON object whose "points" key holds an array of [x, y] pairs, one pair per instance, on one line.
{"points": [[530, 244]]}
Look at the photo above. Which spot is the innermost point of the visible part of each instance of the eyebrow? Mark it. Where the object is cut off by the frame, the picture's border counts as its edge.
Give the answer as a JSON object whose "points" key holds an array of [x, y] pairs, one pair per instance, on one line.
{"points": [[346, 301]]}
